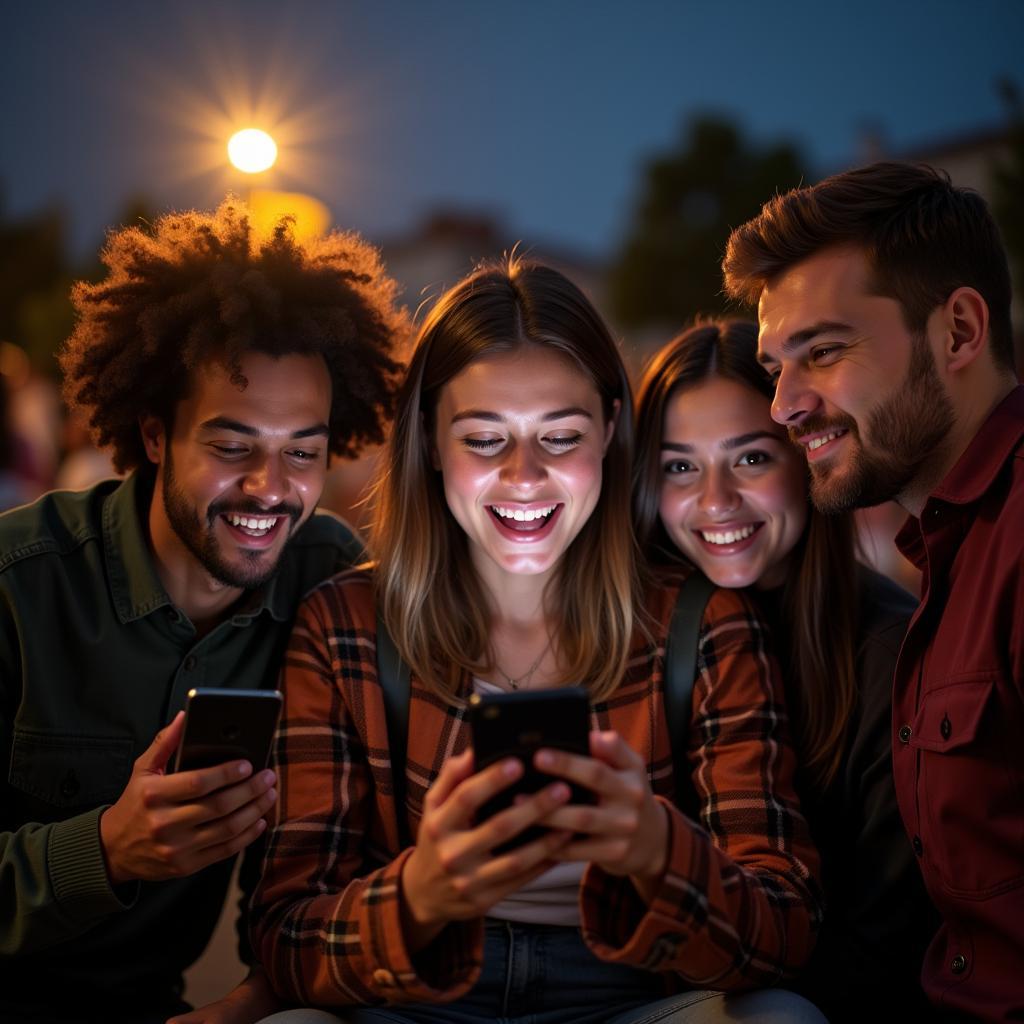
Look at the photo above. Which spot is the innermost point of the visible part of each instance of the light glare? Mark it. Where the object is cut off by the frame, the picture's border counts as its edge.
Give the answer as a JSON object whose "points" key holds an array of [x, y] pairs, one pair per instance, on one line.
{"points": [[252, 150]]}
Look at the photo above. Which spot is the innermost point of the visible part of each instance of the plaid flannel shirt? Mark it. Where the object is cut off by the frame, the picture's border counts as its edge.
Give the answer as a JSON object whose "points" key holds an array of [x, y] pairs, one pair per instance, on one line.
{"points": [[739, 903]]}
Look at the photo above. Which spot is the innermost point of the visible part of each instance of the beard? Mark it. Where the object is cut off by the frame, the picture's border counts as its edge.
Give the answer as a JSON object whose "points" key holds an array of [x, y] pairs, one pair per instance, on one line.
{"points": [[903, 434], [254, 568]]}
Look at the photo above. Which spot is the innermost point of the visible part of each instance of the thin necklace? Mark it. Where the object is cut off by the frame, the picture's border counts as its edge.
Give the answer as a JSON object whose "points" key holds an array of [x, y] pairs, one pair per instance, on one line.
{"points": [[524, 680]]}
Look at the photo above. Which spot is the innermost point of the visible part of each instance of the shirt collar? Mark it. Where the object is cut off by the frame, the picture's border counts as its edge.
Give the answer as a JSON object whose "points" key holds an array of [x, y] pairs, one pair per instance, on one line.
{"points": [[135, 586], [975, 471], [996, 440]]}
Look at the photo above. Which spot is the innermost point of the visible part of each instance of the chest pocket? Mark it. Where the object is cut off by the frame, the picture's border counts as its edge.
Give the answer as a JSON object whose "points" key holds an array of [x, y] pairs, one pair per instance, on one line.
{"points": [[970, 798], [65, 772]]}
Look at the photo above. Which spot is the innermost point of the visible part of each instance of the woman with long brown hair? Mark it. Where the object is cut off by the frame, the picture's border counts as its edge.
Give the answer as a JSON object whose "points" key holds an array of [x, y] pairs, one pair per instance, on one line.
{"points": [[505, 560], [719, 486]]}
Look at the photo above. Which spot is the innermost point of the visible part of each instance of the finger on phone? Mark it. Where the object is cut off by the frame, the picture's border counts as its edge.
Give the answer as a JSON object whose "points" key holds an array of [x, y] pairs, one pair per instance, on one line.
{"points": [[524, 863], [224, 829], [611, 748], [453, 771], [158, 754], [471, 793], [510, 822], [234, 779], [588, 772]]}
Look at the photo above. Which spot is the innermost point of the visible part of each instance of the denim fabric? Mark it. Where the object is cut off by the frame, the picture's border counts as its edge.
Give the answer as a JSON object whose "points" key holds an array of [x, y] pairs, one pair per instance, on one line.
{"points": [[535, 974]]}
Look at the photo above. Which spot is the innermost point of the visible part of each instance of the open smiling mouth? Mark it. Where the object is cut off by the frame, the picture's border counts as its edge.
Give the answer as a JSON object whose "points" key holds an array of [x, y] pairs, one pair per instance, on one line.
{"points": [[249, 528], [729, 539], [524, 523]]}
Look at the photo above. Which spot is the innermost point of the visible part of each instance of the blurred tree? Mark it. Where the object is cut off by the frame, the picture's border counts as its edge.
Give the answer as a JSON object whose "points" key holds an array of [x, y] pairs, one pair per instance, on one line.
{"points": [[33, 267], [669, 268], [36, 276]]}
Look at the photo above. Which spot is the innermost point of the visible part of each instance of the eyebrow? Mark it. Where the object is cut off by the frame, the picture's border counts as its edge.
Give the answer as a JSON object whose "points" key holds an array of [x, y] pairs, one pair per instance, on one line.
{"points": [[493, 417], [238, 427], [800, 338], [729, 444]]}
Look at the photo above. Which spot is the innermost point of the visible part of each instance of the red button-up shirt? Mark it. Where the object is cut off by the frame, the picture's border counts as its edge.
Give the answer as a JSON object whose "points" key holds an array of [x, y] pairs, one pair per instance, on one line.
{"points": [[958, 720]]}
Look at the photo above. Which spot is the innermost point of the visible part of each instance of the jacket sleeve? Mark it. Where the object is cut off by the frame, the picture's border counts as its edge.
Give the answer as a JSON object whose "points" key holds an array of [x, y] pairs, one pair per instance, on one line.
{"points": [[739, 903], [327, 914], [53, 877]]}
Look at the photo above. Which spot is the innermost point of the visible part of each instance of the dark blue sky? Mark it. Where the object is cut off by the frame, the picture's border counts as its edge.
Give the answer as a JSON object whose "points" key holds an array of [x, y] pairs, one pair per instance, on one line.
{"points": [[542, 112]]}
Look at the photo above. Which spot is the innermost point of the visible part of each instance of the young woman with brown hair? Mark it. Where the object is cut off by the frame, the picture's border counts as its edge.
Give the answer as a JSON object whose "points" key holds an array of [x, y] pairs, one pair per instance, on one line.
{"points": [[505, 560], [719, 486]]}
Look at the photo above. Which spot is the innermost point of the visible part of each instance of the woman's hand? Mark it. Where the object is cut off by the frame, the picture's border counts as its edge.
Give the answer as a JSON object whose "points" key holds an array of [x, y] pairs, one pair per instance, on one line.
{"points": [[452, 874], [626, 831]]}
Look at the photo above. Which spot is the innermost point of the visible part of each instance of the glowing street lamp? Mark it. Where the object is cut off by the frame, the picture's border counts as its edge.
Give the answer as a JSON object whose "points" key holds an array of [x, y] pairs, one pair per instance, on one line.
{"points": [[252, 150]]}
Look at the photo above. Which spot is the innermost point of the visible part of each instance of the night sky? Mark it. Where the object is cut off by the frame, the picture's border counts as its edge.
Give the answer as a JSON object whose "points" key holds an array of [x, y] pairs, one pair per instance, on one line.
{"points": [[541, 113]]}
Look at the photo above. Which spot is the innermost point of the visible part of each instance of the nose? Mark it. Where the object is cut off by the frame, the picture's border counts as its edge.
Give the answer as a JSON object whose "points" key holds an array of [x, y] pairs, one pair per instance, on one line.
{"points": [[794, 400], [266, 482], [523, 468], [718, 494]]}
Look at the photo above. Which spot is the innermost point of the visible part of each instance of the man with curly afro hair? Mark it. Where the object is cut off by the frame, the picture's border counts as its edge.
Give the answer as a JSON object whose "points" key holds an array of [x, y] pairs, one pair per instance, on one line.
{"points": [[222, 370]]}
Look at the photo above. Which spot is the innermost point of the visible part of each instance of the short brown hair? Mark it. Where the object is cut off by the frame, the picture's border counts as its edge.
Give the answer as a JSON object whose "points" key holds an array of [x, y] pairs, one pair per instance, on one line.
{"points": [[923, 238], [201, 286]]}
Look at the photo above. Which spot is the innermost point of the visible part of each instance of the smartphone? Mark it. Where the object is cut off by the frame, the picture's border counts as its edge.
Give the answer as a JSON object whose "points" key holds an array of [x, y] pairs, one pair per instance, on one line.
{"points": [[228, 725], [518, 724]]}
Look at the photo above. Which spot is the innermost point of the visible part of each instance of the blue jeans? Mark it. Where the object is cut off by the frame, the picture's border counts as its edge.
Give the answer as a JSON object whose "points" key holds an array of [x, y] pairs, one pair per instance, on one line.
{"points": [[534, 974]]}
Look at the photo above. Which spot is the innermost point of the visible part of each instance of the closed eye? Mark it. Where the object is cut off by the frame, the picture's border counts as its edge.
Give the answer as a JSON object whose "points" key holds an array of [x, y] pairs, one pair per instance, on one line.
{"points": [[482, 444], [564, 441]]}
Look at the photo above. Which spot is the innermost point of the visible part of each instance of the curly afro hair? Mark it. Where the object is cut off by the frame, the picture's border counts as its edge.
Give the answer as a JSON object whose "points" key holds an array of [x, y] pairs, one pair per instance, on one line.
{"points": [[200, 287]]}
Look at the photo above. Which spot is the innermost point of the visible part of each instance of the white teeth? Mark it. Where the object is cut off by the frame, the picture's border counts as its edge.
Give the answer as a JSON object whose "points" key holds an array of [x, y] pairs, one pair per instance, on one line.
{"points": [[819, 441], [252, 523], [524, 515], [727, 536]]}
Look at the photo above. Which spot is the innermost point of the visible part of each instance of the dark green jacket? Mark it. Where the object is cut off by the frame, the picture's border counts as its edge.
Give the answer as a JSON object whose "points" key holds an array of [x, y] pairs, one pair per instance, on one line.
{"points": [[94, 660]]}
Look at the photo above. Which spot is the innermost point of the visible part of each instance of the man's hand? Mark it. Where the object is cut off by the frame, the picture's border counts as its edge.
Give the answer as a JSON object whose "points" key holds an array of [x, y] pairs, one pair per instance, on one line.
{"points": [[252, 1000], [169, 826]]}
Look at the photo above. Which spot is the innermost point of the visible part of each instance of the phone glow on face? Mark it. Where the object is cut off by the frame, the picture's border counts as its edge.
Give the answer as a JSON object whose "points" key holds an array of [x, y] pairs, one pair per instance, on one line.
{"points": [[520, 443]]}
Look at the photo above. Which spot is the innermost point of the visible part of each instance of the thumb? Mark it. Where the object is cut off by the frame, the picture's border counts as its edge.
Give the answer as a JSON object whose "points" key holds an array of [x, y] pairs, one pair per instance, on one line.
{"points": [[161, 750]]}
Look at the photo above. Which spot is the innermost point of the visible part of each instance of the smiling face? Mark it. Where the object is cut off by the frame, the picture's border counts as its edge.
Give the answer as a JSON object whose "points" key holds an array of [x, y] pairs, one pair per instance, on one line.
{"points": [[856, 389], [519, 439], [242, 469], [734, 490]]}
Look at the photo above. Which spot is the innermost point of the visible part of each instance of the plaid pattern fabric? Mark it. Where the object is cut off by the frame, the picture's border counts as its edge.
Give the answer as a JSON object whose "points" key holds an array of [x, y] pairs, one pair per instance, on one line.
{"points": [[739, 904]]}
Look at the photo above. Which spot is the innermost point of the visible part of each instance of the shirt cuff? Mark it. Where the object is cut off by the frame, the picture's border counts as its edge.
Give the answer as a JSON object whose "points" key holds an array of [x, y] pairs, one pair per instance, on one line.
{"points": [[78, 871], [445, 970]]}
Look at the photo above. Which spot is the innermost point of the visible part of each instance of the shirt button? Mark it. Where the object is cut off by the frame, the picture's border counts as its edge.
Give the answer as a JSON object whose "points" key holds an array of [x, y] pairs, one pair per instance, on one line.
{"points": [[916, 844], [384, 978], [946, 727], [190, 663], [959, 964], [904, 733]]}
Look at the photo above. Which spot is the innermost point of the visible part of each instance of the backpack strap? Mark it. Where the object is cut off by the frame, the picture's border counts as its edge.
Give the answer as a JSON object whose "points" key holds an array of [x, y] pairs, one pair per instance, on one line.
{"points": [[681, 664], [393, 674]]}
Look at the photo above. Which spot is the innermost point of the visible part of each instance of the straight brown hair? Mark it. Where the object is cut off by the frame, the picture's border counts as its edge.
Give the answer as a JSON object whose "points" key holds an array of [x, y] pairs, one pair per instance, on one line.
{"points": [[820, 596], [427, 590]]}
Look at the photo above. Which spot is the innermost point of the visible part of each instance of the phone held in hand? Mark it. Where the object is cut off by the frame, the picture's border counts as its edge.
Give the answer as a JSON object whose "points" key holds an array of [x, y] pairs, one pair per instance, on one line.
{"points": [[228, 725], [518, 724]]}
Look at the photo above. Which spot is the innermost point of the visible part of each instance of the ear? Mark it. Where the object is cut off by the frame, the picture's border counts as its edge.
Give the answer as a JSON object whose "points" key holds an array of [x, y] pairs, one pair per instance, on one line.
{"points": [[154, 437], [609, 430], [965, 328]]}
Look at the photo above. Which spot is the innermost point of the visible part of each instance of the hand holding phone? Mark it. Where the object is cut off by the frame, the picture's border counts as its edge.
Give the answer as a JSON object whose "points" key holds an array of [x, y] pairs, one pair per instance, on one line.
{"points": [[169, 825], [520, 723]]}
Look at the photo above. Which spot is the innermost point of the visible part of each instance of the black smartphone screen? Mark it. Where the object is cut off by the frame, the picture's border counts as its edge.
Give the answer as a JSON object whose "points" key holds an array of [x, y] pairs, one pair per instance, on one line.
{"points": [[520, 723], [228, 725]]}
